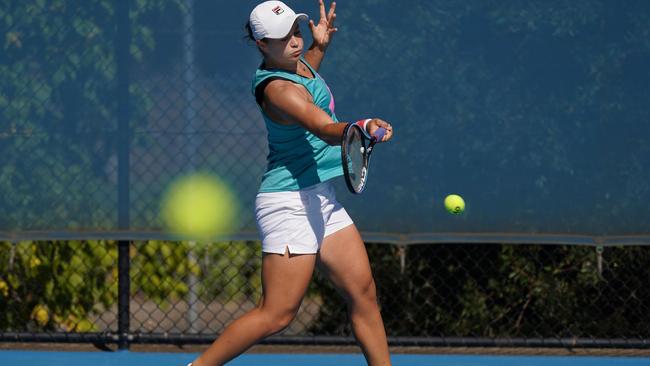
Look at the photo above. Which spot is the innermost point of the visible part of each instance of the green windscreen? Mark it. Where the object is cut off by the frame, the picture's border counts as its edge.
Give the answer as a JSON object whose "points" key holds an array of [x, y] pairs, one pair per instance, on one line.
{"points": [[536, 113]]}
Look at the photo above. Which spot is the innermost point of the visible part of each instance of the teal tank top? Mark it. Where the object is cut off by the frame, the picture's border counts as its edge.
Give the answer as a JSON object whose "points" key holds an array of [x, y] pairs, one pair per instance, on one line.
{"points": [[297, 158]]}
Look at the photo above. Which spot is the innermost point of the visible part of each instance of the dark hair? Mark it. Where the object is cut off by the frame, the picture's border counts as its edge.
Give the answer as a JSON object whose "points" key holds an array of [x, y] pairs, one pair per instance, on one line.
{"points": [[249, 32], [250, 37]]}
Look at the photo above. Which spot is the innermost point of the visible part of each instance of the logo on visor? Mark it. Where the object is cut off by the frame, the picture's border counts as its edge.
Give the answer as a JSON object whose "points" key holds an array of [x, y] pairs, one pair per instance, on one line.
{"points": [[277, 10]]}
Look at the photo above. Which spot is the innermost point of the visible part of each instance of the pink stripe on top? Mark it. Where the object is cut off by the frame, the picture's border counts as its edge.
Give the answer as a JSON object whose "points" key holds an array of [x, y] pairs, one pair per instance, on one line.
{"points": [[331, 107]]}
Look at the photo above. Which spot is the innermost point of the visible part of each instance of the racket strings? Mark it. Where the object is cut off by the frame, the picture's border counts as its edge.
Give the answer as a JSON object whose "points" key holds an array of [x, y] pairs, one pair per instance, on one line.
{"points": [[356, 150]]}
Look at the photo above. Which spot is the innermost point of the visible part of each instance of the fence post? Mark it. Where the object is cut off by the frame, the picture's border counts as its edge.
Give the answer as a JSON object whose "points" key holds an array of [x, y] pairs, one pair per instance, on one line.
{"points": [[123, 143], [190, 113], [123, 299]]}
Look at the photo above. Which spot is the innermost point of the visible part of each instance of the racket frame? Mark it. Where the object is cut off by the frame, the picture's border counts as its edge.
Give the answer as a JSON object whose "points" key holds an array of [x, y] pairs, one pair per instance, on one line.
{"points": [[368, 142]]}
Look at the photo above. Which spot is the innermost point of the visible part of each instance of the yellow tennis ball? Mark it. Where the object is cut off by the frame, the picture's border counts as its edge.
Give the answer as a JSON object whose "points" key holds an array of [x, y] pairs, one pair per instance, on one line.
{"points": [[199, 206], [454, 204]]}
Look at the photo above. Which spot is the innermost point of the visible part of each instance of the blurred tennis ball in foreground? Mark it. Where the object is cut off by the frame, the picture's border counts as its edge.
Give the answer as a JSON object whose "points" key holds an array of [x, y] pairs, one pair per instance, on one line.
{"points": [[454, 204], [199, 206]]}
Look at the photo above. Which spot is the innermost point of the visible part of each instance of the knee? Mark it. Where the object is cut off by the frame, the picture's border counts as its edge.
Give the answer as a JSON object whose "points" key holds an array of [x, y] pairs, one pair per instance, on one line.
{"points": [[278, 320], [283, 320], [365, 292]]}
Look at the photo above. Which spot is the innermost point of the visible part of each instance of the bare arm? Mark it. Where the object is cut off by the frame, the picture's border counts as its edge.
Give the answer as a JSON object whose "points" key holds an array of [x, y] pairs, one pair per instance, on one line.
{"points": [[289, 103], [314, 56], [322, 34]]}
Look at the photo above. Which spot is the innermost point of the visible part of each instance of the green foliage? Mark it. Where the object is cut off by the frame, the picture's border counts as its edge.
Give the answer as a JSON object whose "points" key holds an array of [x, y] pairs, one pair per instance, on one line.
{"points": [[56, 285], [442, 290], [230, 270], [69, 285], [160, 269], [504, 291], [223, 270]]}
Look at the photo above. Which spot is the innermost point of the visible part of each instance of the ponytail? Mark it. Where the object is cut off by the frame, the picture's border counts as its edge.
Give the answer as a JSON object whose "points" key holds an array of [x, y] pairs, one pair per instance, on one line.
{"points": [[249, 32]]}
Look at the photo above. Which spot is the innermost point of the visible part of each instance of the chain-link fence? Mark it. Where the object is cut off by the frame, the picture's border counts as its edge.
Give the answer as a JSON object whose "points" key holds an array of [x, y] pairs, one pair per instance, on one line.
{"points": [[517, 295], [536, 114]]}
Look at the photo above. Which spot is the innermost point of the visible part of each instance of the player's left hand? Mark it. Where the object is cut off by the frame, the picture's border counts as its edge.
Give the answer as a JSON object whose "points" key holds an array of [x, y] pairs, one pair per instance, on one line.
{"points": [[323, 32]]}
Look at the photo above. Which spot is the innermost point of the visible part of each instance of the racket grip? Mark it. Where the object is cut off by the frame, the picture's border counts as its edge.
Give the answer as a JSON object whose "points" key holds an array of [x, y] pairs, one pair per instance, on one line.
{"points": [[379, 134]]}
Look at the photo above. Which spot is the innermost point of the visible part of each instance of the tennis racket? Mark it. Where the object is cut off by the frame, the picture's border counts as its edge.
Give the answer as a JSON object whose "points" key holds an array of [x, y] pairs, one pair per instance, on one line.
{"points": [[356, 148]]}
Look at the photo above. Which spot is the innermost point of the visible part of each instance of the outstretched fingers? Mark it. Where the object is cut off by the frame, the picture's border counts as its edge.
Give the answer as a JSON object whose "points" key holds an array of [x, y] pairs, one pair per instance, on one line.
{"points": [[321, 5], [331, 16]]}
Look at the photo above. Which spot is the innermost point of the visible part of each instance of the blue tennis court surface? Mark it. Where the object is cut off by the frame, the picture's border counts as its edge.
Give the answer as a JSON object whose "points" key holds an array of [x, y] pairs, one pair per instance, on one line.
{"points": [[123, 358]]}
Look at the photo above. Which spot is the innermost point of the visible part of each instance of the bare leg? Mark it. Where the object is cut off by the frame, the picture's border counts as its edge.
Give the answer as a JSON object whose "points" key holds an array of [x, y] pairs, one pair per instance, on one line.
{"points": [[284, 281], [343, 258]]}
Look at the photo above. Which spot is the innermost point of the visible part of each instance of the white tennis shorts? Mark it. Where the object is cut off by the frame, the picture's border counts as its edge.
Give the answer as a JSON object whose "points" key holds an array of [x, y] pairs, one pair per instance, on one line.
{"points": [[299, 220]]}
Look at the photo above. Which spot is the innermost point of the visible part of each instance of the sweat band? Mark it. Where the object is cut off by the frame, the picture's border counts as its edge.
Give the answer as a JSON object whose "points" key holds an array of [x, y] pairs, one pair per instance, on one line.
{"points": [[363, 122]]}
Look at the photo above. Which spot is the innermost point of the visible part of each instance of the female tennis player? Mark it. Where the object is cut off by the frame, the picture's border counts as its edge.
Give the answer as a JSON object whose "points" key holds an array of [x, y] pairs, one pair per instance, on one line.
{"points": [[300, 222]]}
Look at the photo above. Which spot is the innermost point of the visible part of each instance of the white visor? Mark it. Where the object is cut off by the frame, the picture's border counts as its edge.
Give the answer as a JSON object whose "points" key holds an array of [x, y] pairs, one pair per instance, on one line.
{"points": [[273, 19]]}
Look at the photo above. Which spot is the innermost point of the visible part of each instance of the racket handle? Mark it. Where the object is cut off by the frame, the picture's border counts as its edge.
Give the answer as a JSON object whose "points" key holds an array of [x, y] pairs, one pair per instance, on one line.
{"points": [[379, 134]]}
